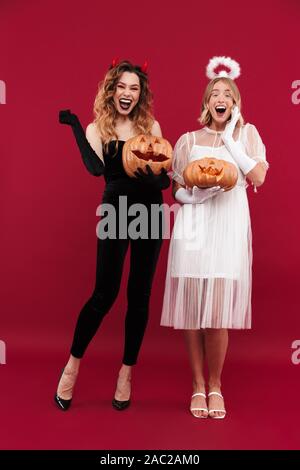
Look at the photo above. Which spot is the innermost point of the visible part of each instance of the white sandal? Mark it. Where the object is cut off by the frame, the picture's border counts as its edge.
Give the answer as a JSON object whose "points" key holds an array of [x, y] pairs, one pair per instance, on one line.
{"points": [[216, 411], [199, 409]]}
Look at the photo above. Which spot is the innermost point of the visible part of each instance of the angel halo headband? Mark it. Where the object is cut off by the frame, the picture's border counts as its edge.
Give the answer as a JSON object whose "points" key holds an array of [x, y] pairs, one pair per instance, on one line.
{"points": [[232, 65], [116, 62]]}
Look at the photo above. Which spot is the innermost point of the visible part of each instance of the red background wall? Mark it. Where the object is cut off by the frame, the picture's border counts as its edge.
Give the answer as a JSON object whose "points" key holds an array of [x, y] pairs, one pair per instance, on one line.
{"points": [[53, 55]]}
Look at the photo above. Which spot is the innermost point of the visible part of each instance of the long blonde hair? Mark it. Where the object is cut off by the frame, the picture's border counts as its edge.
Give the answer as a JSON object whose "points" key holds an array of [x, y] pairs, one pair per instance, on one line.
{"points": [[105, 113], [205, 117]]}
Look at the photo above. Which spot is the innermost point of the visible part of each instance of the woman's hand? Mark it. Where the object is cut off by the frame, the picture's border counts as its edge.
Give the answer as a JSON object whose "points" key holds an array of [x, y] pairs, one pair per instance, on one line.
{"points": [[161, 181], [197, 195], [245, 163], [90, 159], [227, 134], [66, 117], [201, 195]]}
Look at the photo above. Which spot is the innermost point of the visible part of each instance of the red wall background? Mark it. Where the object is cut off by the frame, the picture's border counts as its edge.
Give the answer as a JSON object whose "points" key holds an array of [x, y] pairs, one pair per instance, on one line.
{"points": [[53, 54]]}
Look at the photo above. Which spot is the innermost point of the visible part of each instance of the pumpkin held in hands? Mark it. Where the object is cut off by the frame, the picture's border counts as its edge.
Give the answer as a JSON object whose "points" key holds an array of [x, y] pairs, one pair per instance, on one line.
{"points": [[208, 172], [145, 150]]}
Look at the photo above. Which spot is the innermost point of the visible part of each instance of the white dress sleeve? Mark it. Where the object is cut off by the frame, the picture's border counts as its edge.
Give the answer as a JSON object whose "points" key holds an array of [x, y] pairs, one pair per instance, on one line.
{"points": [[254, 146], [180, 159]]}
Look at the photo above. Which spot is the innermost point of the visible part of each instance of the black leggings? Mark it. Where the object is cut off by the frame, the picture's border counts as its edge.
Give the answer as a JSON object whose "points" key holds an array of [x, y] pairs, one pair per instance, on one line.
{"points": [[110, 259]]}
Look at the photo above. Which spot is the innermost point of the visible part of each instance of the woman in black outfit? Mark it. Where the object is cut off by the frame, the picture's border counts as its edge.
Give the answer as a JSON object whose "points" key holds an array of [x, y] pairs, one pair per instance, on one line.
{"points": [[122, 110]]}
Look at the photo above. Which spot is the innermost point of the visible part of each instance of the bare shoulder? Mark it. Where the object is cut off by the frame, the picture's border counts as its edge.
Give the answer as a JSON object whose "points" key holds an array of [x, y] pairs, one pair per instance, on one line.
{"points": [[92, 130], [156, 130], [94, 138]]}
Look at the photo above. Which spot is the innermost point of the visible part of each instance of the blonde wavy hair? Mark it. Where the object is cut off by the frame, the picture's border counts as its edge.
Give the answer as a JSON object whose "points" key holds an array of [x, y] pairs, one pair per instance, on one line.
{"points": [[105, 113], [205, 117]]}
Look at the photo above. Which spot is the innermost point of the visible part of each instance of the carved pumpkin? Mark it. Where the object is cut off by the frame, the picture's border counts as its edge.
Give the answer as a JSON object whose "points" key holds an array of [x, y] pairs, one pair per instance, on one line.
{"points": [[208, 172], [145, 150]]}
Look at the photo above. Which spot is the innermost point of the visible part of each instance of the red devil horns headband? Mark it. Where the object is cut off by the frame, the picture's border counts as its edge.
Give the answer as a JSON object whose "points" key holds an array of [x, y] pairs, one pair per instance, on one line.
{"points": [[116, 61], [144, 67]]}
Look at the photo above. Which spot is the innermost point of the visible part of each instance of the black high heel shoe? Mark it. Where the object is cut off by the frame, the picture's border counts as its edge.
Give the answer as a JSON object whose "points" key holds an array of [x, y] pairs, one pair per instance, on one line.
{"points": [[62, 404], [120, 405]]}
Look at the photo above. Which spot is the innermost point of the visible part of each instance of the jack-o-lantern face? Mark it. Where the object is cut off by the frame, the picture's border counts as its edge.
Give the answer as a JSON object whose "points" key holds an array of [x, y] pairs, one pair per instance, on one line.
{"points": [[208, 172], [145, 150]]}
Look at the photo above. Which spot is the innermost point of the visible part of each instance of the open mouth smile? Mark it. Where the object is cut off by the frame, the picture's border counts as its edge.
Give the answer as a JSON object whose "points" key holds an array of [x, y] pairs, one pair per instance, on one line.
{"points": [[220, 110], [125, 103]]}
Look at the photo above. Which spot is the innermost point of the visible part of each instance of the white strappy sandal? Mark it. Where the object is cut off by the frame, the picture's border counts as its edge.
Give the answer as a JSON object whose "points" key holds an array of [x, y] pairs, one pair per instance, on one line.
{"points": [[199, 409], [218, 411]]}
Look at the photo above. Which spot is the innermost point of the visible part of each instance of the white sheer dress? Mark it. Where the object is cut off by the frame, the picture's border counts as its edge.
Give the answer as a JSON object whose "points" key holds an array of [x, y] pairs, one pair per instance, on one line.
{"points": [[208, 281]]}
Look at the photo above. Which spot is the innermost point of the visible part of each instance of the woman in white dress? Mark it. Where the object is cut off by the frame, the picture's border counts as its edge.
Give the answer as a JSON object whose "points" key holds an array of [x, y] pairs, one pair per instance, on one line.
{"points": [[208, 281]]}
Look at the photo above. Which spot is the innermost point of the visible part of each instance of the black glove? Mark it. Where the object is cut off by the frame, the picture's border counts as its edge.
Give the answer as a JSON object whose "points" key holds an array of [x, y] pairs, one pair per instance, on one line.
{"points": [[90, 159], [161, 181]]}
